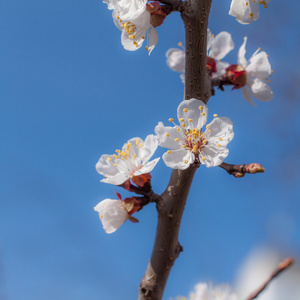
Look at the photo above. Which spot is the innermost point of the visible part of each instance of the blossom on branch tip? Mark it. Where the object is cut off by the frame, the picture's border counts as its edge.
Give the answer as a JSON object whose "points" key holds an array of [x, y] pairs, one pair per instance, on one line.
{"points": [[246, 11], [113, 213], [132, 162], [252, 73], [188, 144]]}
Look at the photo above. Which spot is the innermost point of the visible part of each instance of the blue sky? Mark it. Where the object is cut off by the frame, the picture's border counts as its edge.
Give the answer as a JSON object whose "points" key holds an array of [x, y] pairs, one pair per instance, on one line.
{"points": [[70, 93]]}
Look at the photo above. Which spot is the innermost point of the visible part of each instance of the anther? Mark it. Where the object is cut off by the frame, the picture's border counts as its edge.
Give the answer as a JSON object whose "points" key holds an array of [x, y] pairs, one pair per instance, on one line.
{"points": [[167, 134], [171, 120], [176, 140], [169, 151], [185, 110], [220, 139], [190, 120], [215, 115], [201, 107]]}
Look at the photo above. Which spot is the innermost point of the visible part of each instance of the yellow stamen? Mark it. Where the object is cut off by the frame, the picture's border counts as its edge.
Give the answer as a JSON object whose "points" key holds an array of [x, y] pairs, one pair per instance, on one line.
{"points": [[177, 128], [171, 120], [190, 120], [203, 114], [176, 140], [203, 158], [186, 161], [185, 110], [181, 119], [220, 139], [218, 145], [101, 216], [215, 115], [169, 151], [108, 158], [180, 44], [167, 134], [201, 107]]}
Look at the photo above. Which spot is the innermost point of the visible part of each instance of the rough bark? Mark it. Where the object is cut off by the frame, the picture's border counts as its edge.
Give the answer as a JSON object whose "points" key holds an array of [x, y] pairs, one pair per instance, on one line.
{"points": [[171, 206]]}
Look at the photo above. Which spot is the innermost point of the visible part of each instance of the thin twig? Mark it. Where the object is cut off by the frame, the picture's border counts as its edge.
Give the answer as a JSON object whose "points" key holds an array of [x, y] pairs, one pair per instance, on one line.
{"points": [[239, 171], [281, 267]]}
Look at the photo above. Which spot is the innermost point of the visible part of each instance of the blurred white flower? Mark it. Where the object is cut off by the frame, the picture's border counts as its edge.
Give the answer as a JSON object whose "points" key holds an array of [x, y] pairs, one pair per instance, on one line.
{"points": [[204, 291], [253, 74], [246, 11], [188, 143], [257, 268], [217, 48], [132, 162]]}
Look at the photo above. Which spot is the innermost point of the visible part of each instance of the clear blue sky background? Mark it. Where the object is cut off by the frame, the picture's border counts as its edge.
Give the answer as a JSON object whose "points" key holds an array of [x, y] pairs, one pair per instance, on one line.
{"points": [[69, 93]]}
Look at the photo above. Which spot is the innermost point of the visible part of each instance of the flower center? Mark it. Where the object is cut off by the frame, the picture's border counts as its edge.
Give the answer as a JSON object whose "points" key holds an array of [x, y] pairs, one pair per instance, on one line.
{"points": [[194, 141]]}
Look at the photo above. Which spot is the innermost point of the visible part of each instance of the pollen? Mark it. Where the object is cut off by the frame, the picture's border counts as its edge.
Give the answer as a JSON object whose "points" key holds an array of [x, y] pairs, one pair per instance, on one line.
{"points": [[176, 140], [134, 156], [183, 125], [186, 161], [171, 120], [215, 115], [220, 139], [115, 165], [201, 107], [218, 145], [185, 110], [181, 119], [183, 146], [137, 141], [209, 130], [169, 151], [179, 44], [203, 158], [178, 129], [190, 120], [109, 159], [247, 3], [203, 114], [251, 15], [101, 216], [143, 37], [140, 145], [167, 134], [146, 48]]}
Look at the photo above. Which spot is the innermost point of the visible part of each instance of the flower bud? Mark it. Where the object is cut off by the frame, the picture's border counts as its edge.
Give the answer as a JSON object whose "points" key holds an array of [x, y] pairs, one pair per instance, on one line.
{"points": [[238, 174], [254, 168]]}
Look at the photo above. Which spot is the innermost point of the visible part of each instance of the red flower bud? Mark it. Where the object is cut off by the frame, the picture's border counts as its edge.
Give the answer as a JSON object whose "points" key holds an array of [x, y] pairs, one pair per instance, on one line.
{"points": [[254, 168], [237, 75]]}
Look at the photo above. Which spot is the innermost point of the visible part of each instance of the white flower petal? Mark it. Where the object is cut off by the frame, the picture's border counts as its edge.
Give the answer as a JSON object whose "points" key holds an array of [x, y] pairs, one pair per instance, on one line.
{"points": [[214, 155], [149, 147], [147, 168], [220, 131], [210, 39], [221, 45], [105, 165], [247, 96], [178, 159], [259, 66], [199, 117], [260, 90], [167, 135], [129, 9], [152, 39], [182, 77], [117, 179], [112, 214], [221, 67], [242, 61], [241, 11], [176, 60]]}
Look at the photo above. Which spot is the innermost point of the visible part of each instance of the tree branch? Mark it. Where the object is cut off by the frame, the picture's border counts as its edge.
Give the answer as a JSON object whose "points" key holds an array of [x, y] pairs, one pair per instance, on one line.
{"points": [[281, 267], [239, 171], [166, 247]]}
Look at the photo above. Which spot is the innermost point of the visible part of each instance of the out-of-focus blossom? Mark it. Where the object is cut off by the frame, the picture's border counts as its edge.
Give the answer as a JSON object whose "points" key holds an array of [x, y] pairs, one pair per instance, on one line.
{"points": [[252, 73], [217, 48], [204, 291], [132, 162], [188, 143], [246, 11]]}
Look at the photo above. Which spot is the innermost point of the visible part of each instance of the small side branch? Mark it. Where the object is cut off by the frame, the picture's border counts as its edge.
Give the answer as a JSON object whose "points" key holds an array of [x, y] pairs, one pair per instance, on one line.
{"points": [[239, 171], [281, 267]]}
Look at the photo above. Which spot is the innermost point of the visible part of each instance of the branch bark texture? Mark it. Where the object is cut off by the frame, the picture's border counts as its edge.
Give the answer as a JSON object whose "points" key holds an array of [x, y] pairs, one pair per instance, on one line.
{"points": [[170, 208]]}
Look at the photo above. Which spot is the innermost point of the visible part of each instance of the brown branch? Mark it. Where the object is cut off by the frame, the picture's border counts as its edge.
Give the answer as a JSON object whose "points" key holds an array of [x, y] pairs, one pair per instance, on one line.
{"points": [[195, 18], [166, 247], [176, 5], [281, 267], [239, 171]]}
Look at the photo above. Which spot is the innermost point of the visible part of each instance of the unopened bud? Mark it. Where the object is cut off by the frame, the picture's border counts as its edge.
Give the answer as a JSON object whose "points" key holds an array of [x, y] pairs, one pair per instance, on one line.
{"points": [[254, 168], [238, 174]]}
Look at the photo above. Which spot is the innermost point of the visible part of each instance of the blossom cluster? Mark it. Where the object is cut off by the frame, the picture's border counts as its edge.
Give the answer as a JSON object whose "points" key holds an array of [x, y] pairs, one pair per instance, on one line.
{"points": [[192, 141], [251, 76]]}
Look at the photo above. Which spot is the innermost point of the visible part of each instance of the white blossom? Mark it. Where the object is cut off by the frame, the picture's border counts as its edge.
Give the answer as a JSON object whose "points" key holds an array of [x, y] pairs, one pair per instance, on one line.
{"points": [[258, 69], [187, 143], [127, 9], [112, 214], [217, 48], [246, 11], [203, 291], [135, 31], [131, 161]]}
